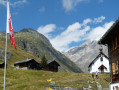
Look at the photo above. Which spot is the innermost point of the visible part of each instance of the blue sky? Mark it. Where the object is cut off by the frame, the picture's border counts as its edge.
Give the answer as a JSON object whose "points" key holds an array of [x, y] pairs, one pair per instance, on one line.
{"points": [[66, 23]]}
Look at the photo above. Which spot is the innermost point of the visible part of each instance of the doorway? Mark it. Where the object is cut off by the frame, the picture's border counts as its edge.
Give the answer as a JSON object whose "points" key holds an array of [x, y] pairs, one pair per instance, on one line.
{"points": [[102, 69]]}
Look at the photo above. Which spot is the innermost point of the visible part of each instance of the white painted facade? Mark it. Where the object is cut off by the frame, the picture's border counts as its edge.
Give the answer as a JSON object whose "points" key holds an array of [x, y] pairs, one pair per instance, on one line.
{"points": [[97, 63], [114, 86]]}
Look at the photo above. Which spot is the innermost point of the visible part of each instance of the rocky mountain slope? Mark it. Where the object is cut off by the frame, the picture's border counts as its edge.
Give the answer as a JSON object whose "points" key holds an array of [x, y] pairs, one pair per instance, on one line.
{"points": [[32, 42], [84, 54]]}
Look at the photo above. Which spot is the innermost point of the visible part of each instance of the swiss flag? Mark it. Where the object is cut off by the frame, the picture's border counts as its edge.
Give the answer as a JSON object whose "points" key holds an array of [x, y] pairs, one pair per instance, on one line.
{"points": [[9, 26]]}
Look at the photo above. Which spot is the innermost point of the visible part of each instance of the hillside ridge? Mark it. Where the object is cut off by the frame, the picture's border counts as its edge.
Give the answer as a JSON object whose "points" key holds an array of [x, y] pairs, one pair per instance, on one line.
{"points": [[33, 42]]}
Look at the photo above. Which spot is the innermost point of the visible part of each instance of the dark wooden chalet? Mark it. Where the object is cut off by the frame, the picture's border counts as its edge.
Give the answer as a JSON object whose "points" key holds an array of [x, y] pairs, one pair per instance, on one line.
{"points": [[27, 64], [2, 65], [111, 39], [52, 65]]}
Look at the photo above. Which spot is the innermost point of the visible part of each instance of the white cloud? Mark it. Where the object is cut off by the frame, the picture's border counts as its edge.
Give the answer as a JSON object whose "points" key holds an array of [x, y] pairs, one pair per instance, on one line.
{"points": [[95, 20], [42, 9], [98, 20], [86, 21], [75, 33], [45, 30], [17, 3], [2, 2], [97, 32], [70, 4]]}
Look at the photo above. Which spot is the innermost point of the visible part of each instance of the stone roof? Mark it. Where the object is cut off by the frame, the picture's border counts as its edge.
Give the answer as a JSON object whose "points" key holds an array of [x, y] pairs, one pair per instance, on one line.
{"points": [[23, 61]]}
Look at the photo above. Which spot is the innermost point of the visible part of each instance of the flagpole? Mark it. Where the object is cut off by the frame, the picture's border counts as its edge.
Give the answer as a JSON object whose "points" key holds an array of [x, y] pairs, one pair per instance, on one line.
{"points": [[5, 57], [5, 61]]}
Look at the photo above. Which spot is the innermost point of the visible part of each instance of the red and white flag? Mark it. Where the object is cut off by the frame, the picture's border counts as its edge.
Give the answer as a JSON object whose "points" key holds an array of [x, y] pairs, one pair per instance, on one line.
{"points": [[9, 26]]}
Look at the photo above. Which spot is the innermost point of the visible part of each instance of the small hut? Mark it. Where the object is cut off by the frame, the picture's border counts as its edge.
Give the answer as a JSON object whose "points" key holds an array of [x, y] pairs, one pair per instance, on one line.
{"points": [[27, 64], [52, 65]]}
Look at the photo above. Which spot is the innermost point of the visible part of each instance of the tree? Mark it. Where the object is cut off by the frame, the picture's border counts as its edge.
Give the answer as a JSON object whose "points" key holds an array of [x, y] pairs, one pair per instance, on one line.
{"points": [[43, 62]]}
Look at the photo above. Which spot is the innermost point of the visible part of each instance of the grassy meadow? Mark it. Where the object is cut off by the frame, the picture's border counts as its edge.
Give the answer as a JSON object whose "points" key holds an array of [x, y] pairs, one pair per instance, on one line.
{"points": [[37, 80]]}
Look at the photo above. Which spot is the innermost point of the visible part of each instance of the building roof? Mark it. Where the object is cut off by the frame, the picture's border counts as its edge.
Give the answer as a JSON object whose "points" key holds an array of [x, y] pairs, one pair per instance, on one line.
{"points": [[97, 57], [49, 61], [23, 61], [102, 66], [109, 31]]}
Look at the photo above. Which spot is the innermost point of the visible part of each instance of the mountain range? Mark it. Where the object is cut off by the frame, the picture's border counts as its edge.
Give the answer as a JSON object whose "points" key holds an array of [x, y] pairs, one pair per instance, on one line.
{"points": [[84, 54], [32, 44]]}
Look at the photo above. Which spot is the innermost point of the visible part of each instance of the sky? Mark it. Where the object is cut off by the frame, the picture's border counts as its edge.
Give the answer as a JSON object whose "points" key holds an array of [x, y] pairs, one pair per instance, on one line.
{"points": [[66, 23]]}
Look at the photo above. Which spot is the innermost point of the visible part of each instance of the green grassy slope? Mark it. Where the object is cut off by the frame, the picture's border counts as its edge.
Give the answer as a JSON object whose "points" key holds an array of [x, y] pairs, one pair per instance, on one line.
{"points": [[16, 55], [36, 80]]}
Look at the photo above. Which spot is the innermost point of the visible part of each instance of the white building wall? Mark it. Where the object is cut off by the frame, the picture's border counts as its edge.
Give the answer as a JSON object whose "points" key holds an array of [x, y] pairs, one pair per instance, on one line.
{"points": [[114, 86], [94, 67]]}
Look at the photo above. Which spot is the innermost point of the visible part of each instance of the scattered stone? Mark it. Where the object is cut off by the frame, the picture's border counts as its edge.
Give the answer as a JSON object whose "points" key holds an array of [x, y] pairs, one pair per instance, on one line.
{"points": [[99, 86]]}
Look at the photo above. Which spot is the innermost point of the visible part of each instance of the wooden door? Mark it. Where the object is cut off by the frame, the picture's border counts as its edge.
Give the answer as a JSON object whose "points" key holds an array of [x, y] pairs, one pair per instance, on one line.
{"points": [[102, 69]]}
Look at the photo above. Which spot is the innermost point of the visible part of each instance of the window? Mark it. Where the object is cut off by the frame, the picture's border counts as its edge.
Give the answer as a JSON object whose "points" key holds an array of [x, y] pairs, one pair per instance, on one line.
{"points": [[101, 58], [111, 46], [113, 68], [116, 68], [115, 43], [115, 71], [118, 40]]}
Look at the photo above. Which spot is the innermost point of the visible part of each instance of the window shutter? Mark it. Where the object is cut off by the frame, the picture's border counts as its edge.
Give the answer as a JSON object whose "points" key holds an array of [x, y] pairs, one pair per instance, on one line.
{"points": [[113, 68]]}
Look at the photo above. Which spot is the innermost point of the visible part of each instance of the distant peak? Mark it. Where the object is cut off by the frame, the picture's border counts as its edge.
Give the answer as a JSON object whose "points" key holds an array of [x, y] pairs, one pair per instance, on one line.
{"points": [[85, 43], [28, 30]]}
